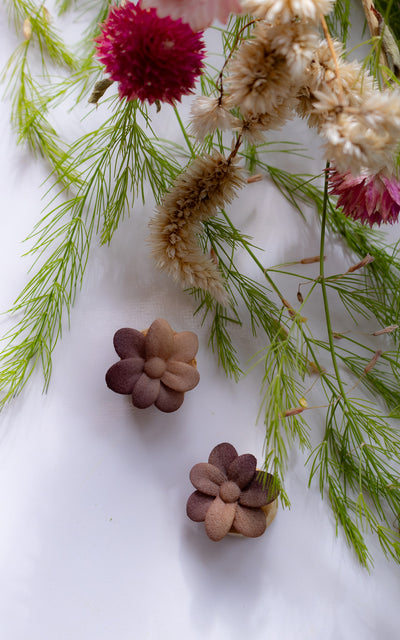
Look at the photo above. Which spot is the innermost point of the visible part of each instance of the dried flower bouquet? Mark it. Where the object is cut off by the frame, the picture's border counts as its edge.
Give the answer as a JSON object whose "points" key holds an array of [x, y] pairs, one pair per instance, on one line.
{"points": [[281, 59]]}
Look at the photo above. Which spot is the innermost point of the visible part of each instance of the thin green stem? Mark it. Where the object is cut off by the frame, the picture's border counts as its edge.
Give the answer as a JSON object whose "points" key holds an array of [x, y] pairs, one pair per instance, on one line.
{"points": [[279, 294], [323, 287], [254, 257], [281, 297], [184, 132]]}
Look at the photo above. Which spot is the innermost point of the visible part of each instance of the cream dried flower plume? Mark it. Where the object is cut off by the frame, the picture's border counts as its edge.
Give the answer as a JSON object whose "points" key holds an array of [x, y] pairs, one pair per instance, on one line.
{"points": [[253, 126], [367, 137], [360, 123], [209, 114], [287, 10], [268, 68], [329, 86], [297, 42], [208, 184]]}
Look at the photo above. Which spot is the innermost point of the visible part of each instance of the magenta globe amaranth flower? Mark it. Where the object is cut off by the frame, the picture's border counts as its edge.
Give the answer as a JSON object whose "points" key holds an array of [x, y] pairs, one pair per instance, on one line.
{"points": [[371, 199], [151, 58]]}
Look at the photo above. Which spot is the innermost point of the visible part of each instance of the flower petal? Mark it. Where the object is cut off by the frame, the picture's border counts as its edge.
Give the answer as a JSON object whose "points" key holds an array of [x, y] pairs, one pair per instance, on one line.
{"points": [[393, 187], [145, 392], [222, 455], [129, 343], [198, 505], [261, 491], [123, 375], [159, 340], [185, 346], [242, 470], [207, 478], [372, 198], [169, 400], [180, 376], [249, 522], [219, 518]]}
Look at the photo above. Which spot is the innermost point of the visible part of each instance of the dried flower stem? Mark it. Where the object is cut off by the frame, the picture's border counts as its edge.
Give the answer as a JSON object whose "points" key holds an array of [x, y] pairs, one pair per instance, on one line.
{"points": [[375, 29], [229, 56], [388, 329], [311, 260], [236, 148], [355, 267], [333, 54], [372, 362], [99, 90], [256, 178]]}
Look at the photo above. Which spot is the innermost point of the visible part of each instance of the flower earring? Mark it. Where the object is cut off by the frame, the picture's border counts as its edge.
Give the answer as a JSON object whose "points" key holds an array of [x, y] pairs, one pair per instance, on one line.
{"points": [[231, 495], [156, 367]]}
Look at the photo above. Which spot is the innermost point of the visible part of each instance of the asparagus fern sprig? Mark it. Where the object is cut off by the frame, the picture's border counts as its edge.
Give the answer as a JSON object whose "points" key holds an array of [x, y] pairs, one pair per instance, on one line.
{"points": [[30, 103], [109, 184]]}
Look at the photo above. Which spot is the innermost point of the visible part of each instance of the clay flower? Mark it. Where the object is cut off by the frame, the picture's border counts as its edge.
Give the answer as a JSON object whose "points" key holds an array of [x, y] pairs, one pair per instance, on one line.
{"points": [[156, 367], [371, 199], [151, 58], [230, 494], [198, 13]]}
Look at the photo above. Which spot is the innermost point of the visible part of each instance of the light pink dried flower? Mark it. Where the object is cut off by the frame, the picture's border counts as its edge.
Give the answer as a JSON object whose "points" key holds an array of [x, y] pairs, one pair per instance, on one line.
{"points": [[199, 14], [373, 199], [151, 58], [287, 10]]}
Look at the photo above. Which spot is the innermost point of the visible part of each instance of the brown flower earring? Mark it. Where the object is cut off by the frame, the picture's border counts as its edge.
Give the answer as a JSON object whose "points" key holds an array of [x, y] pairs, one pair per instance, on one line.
{"points": [[156, 367], [231, 495]]}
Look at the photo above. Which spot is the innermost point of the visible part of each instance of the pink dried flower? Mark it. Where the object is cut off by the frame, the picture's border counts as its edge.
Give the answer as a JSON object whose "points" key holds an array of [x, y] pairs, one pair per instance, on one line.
{"points": [[198, 13], [372, 199], [151, 58]]}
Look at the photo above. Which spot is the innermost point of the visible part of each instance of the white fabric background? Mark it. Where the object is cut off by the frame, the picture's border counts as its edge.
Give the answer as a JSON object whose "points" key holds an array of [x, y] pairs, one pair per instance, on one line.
{"points": [[94, 539]]}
